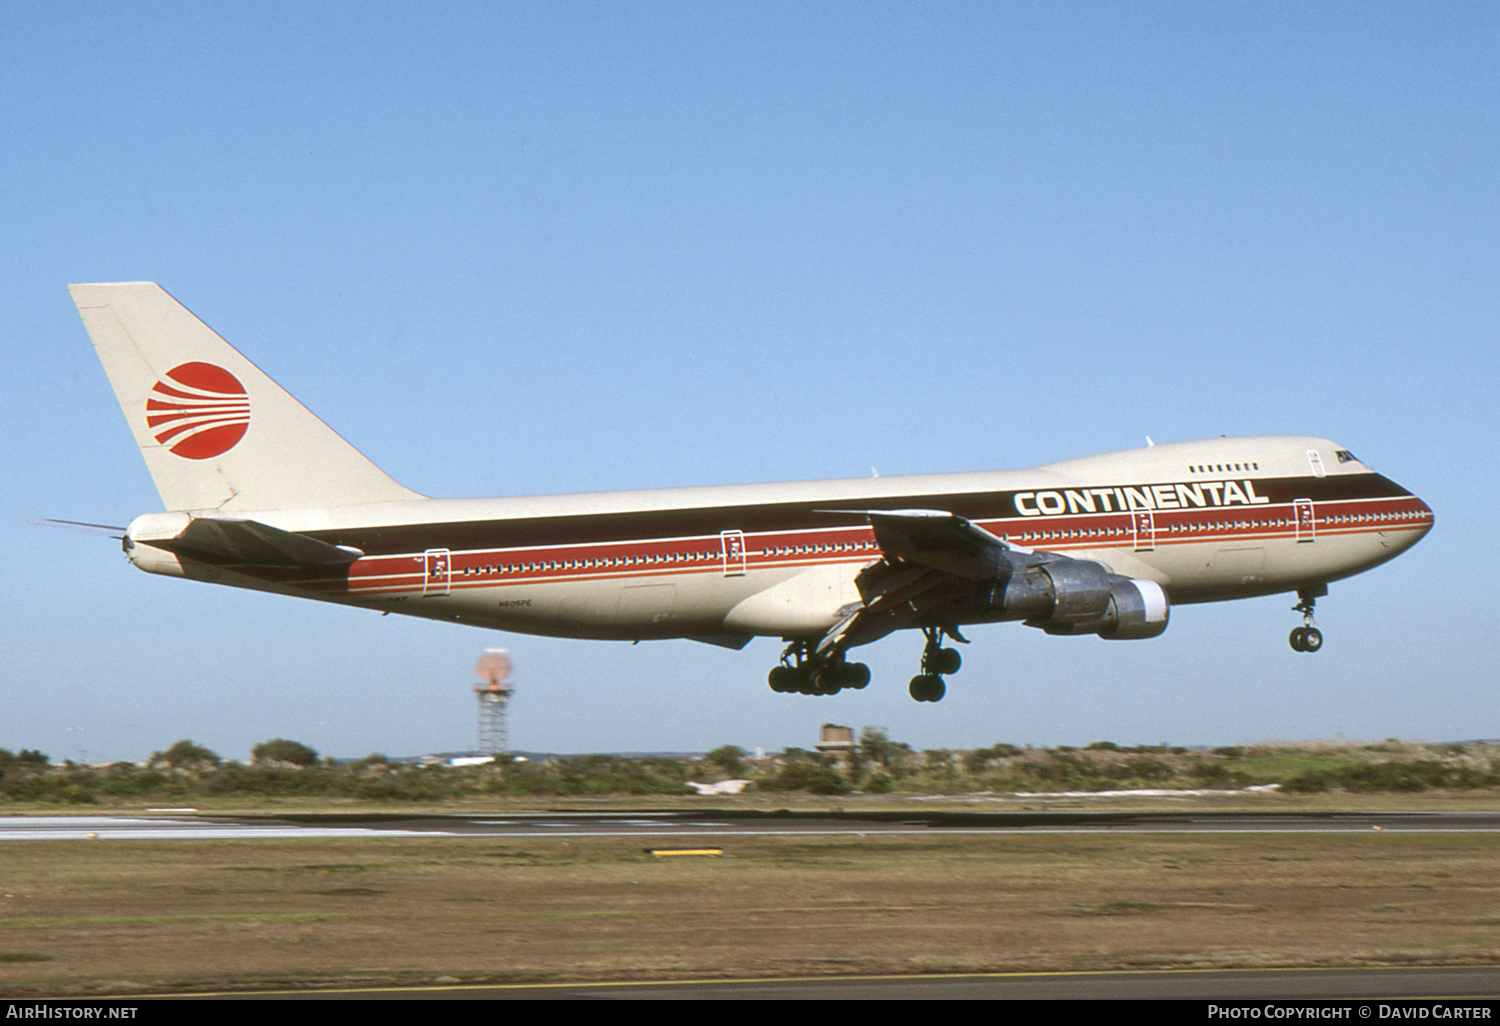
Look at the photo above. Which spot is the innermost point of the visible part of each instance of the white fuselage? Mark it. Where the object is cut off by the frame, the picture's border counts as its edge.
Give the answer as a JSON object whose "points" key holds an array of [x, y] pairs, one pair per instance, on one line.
{"points": [[1212, 520]]}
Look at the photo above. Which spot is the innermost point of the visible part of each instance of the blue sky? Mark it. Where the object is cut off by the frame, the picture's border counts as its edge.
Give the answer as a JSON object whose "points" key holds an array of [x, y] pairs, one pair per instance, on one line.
{"points": [[521, 248]]}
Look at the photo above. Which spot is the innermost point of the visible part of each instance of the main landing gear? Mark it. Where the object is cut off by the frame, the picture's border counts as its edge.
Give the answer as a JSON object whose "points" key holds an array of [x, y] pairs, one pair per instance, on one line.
{"points": [[1308, 638], [928, 685], [799, 673]]}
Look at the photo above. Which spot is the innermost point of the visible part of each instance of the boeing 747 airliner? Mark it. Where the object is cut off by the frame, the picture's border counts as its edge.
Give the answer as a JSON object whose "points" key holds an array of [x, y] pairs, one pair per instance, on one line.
{"points": [[261, 494]]}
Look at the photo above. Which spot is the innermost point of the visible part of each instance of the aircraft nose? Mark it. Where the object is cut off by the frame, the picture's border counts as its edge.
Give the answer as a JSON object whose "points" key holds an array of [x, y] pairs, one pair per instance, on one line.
{"points": [[1423, 513], [1413, 514]]}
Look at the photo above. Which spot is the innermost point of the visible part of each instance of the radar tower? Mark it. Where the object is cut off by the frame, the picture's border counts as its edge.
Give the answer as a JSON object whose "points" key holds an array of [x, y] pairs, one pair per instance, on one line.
{"points": [[493, 694]]}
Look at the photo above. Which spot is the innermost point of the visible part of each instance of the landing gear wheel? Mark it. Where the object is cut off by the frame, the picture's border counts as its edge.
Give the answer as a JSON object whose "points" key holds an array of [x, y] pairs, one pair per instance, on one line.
{"points": [[861, 676], [824, 682], [927, 687], [851, 675], [946, 660], [1308, 638], [937, 660], [802, 672]]}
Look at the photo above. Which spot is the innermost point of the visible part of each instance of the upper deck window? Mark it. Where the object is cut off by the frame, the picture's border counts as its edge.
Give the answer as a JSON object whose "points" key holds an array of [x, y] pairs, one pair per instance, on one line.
{"points": [[1224, 468]]}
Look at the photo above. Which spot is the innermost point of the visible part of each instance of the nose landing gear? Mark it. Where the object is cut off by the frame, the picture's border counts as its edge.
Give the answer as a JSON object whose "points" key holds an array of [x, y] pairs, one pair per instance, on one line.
{"points": [[1307, 638]]}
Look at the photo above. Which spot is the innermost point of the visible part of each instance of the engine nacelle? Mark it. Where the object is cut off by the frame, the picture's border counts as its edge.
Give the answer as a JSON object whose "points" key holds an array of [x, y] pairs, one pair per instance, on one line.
{"points": [[1082, 597], [1139, 609]]}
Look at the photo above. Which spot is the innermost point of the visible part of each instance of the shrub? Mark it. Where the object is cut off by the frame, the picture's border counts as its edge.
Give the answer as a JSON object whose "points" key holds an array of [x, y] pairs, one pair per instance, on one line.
{"points": [[729, 759], [803, 775], [187, 755], [293, 753]]}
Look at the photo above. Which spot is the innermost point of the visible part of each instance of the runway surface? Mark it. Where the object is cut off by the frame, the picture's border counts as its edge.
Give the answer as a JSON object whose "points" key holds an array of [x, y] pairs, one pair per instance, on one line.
{"points": [[1381, 992], [191, 825], [1456, 986]]}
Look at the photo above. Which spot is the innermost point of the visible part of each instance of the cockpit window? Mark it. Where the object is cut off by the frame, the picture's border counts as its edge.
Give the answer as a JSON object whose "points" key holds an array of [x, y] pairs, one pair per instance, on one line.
{"points": [[1345, 456]]}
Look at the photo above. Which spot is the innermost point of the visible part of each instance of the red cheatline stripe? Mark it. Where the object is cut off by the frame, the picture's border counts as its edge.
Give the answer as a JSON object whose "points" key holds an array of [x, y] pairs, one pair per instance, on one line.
{"points": [[366, 577]]}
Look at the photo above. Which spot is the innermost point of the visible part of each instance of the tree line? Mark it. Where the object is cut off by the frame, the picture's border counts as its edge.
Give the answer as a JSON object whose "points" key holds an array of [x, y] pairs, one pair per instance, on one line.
{"points": [[875, 765]]}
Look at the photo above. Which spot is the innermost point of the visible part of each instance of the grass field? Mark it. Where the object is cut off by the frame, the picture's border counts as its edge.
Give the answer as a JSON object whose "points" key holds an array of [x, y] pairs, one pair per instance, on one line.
{"points": [[129, 918]]}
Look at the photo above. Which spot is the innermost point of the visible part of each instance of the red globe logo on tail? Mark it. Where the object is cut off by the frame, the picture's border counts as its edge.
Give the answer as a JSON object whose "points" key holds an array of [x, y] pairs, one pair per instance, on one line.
{"points": [[198, 411]]}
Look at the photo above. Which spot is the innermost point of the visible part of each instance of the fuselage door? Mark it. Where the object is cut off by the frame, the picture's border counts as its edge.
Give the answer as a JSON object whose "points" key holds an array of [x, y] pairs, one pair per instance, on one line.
{"points": [[732, 548], [1145, 529], [1303, 509], [437, 572]]}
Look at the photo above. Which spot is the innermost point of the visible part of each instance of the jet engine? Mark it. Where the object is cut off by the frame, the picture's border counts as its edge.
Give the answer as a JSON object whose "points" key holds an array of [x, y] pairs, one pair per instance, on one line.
{"points": [[1076, 596]]}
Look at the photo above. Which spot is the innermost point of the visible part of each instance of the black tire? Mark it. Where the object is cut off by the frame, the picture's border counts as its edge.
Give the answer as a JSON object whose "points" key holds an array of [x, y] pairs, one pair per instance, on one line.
{"points": [[825, 682], [850, 675], [1296, 640], [1312, 639], [927, 687], [947, 660]]}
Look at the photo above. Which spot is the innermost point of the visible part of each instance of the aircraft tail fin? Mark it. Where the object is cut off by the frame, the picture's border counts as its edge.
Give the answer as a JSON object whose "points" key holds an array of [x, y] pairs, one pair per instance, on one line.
{"points": [[216, 432]]}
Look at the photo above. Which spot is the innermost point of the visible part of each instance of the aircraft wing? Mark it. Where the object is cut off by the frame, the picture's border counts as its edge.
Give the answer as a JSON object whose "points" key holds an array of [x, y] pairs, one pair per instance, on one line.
{"points": [[941, 541], [932, 558]]}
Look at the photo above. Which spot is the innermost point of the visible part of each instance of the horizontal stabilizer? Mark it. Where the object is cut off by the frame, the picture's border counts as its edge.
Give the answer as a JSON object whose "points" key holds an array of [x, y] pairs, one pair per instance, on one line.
{"points": [[235, 540]]}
